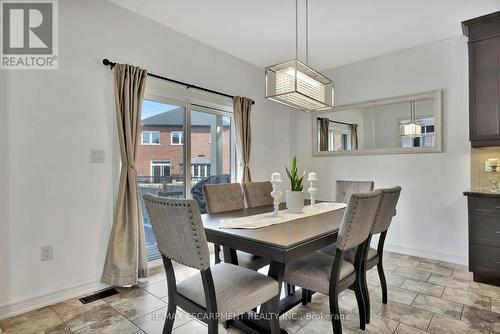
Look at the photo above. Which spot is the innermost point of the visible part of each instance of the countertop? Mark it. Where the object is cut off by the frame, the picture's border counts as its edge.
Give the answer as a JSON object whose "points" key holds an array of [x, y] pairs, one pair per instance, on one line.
{"points": [[481, 193]]}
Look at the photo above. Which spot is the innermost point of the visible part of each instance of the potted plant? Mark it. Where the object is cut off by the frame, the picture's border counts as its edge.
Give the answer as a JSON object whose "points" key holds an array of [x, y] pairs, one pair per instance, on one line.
{"points": [[295, 196]]}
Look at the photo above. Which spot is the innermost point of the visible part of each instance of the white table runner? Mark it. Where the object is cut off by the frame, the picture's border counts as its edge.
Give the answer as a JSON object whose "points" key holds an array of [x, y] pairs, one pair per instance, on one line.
{"points": [[268, 219]]}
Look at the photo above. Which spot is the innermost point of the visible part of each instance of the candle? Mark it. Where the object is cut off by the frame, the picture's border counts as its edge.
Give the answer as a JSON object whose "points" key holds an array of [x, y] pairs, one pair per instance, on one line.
{"points": [[276, 177], [494, 162], [312, 176]]}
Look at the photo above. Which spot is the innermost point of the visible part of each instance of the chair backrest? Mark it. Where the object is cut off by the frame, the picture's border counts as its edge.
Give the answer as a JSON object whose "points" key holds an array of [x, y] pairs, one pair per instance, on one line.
{"points": [[178, 230], [223, 197], [387, 209], [344, 189], [358, 219], [258, 193], [197, 189]]}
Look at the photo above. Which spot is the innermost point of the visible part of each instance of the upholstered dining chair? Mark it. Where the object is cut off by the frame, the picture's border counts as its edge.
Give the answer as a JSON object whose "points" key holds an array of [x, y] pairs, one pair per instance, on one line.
{"points": [[373, 257], [383, 220], [218, 292], [344, 189], [258, 193], [228, 197], [331, 275]]}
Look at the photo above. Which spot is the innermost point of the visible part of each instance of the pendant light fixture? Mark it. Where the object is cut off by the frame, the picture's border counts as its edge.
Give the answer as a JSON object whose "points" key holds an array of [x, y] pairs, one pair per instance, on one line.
{"points": [[413, 129], [295, 84]]}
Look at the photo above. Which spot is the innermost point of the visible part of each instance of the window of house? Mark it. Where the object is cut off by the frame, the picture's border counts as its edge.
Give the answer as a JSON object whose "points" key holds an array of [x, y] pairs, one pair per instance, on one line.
{"points": [[176, 138], [200, 170], [160, 170], [150, 137]]}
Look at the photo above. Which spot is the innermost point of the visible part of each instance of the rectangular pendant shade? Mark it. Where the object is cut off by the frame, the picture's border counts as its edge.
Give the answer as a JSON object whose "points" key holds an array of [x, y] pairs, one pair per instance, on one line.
{"points": [[298, 86], [412, 130]]}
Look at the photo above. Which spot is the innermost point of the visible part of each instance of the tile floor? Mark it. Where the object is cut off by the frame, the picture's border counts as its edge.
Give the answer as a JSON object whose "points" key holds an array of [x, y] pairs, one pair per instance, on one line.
{"points": [[425, 296]]}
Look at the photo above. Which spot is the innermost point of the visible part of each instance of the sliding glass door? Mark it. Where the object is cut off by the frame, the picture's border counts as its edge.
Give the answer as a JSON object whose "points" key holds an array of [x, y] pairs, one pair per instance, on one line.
{"points": [[182, 147], [211, 150], [160, 158]]}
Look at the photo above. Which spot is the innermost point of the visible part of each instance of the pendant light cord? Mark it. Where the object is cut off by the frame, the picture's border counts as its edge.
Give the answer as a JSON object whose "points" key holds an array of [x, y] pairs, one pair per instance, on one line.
{"points": [[296, 29], [307, 32]]}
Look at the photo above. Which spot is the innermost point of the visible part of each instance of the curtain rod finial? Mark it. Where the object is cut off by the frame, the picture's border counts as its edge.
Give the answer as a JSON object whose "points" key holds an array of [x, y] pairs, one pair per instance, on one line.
{"points": [[106, 62]]}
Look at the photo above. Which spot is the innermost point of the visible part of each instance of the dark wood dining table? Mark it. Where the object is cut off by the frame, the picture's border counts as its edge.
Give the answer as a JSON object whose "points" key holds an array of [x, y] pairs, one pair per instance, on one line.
{"points": [[280, 243]]}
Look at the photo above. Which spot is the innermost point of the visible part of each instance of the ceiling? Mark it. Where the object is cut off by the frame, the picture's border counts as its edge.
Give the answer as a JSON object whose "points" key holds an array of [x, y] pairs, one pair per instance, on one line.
{"points": [[262, 32]]}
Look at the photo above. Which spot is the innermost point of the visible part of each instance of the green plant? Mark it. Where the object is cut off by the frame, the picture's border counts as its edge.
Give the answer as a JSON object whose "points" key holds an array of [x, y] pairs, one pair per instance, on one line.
{"points": [[295, 179]]}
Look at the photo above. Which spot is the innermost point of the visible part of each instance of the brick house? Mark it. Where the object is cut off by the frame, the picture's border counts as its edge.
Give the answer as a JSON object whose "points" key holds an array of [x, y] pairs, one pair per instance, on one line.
{"points": [[161, 150]]}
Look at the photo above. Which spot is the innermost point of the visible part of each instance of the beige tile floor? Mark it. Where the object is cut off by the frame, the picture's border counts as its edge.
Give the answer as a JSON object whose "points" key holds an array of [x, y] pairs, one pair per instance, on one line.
{"points": [[425, 296]]}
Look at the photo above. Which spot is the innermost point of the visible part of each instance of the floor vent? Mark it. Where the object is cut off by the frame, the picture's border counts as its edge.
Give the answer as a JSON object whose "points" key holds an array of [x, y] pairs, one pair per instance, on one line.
{"points": [[99, 295]]}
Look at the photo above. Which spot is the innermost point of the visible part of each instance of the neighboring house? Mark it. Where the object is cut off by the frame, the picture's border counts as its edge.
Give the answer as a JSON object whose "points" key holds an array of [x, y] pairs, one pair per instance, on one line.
{"points": [[161, 151]]}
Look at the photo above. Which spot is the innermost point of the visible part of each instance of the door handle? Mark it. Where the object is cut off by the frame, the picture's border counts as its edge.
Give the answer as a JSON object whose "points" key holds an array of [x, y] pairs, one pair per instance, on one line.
{"points": [[497, 232]]}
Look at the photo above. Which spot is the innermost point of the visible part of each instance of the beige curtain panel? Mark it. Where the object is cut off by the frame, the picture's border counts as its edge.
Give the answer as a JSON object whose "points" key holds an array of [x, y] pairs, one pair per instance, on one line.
{"points": [[354, 137], [126, 259], [324, 125], [242, 110]]}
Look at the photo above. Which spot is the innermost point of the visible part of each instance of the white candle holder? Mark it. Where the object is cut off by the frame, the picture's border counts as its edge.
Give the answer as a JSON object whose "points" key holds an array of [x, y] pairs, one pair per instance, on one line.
{"points": [[276, 194], [312, 188]]}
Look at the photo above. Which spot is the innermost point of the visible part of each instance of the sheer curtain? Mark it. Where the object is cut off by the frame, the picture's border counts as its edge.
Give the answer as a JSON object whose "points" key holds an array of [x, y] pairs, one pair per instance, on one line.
{"points": [[126, 259]]}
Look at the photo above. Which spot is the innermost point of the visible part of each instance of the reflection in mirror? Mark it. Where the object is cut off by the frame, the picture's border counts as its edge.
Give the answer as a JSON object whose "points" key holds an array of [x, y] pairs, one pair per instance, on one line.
{"points": [[398, 126]]}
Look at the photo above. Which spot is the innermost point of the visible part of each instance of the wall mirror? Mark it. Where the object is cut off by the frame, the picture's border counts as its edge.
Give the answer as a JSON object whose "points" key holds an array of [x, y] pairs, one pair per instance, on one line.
{"points": [[398, 125]]}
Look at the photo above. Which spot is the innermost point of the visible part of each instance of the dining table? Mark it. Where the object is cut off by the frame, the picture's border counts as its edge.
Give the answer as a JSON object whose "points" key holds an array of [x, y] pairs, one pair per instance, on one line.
{"points": [[280, 243]]}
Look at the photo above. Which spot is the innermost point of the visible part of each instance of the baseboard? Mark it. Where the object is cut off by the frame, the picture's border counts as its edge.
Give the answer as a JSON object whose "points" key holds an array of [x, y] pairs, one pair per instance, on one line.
{"points": [[33, 303], [463, 260]]}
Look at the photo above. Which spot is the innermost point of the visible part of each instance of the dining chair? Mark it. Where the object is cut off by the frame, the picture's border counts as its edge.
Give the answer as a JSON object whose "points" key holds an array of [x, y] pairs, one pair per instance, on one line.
{"points": [[383, 220], [331, 275], [373, 257], [228, 197], [344, 189], [217, 293], [258, 193]]}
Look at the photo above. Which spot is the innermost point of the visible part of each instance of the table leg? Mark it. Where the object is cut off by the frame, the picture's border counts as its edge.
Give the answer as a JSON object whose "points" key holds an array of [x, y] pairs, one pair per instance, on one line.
{"points": [[230, 255], [276, 271]]}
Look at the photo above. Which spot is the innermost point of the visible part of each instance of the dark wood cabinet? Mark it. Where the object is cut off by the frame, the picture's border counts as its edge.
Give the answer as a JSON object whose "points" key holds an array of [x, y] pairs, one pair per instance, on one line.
{"points": [[484, 236], [484, 79]]}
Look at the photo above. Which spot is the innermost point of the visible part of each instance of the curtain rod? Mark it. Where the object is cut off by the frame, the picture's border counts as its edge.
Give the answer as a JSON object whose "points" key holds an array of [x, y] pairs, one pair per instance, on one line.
{"points": [[111, 64], [329, 120]]}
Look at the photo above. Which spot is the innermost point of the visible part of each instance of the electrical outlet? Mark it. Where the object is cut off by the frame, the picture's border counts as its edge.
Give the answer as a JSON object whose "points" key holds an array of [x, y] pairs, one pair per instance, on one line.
{"points": [[97, 156], [47, 253]]}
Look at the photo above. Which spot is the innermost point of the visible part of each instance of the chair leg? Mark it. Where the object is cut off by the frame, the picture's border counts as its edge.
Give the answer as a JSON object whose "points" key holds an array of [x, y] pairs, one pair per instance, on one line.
{"points": [[169, 317], [358, 291], [309, 296], [272, 310], [213, 326], [383, 282], [335, 313], [366, 295], [217, 253], [290, 289]]}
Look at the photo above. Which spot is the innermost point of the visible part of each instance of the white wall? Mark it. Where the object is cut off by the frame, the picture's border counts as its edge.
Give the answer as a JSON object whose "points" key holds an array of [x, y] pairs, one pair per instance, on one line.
{"points": [[55, 196], [432, 214]]}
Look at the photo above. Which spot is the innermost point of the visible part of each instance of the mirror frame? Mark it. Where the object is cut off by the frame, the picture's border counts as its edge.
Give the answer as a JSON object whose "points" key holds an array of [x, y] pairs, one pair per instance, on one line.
{"points": [[436, 95]]}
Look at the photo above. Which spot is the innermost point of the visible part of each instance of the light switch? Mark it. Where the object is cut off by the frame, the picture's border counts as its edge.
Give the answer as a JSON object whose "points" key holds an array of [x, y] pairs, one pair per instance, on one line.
{"points": [[97, 156]]}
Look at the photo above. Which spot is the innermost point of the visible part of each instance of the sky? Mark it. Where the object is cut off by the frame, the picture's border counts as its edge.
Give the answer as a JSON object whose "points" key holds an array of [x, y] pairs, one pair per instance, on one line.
{"points": [[151, 108]]}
